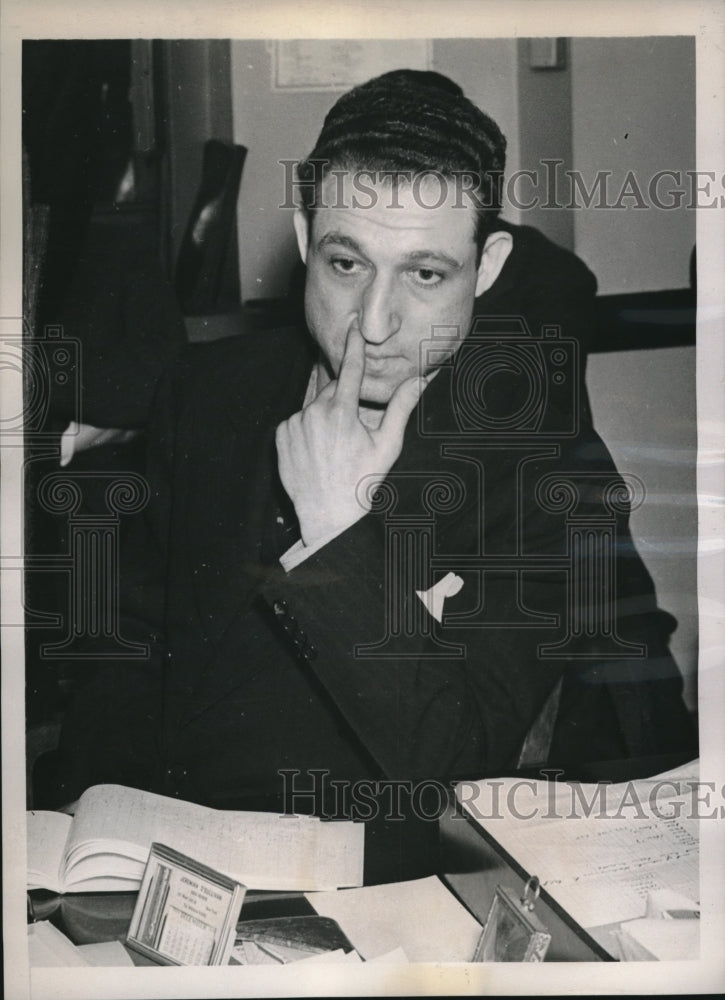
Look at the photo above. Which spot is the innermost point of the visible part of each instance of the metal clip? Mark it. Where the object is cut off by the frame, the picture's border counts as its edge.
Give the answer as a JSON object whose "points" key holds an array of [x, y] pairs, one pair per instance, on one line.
{"points": [[531, 893]]}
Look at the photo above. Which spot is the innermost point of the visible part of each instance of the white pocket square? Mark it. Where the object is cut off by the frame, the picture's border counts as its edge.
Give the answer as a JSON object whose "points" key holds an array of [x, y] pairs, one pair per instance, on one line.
{"points": [[447, 586]]}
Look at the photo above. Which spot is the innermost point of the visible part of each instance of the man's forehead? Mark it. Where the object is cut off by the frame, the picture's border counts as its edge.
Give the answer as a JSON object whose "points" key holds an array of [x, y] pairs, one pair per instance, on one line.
{"points": [[418, 206]]}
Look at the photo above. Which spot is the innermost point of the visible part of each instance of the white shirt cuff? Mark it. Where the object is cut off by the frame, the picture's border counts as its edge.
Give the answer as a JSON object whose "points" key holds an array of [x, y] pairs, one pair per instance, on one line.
{"points": [[299, 551]]}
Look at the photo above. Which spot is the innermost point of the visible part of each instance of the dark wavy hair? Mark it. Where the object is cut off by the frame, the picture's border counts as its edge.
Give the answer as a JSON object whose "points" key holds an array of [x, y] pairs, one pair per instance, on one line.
{"points": [[411, 122]]}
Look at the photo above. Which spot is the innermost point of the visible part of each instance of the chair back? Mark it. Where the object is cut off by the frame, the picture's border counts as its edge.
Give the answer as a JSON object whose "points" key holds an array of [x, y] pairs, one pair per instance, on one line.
{"points": [[205, 245]]}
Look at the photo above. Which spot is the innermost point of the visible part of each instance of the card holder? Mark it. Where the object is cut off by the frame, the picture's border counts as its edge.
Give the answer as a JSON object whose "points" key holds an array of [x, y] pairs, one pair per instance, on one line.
{"points": [[186, 912], [513, 932]]}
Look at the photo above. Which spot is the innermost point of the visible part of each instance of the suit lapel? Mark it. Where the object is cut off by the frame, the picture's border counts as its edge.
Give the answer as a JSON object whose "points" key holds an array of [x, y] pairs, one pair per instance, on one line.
{"points": [[425, 460]]}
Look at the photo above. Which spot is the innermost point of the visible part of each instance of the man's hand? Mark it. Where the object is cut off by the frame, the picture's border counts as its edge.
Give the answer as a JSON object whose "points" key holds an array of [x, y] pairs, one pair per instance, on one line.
{"points": [[80, 437], [325, 450]]}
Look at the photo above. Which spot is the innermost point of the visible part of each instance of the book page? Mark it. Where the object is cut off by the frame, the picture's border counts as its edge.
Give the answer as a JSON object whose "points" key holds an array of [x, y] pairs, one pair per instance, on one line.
{"points": [[47, 837], [262, 850], [598, 849]]}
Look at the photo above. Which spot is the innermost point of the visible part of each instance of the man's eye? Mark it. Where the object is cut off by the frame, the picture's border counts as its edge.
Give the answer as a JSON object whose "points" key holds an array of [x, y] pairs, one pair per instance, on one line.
{"points": [[345, 265], [427, 277]]}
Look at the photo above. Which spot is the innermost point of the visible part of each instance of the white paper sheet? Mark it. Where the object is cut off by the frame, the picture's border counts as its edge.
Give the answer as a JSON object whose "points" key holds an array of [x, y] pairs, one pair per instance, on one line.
{"points": [[422, 917], [600, 867]]}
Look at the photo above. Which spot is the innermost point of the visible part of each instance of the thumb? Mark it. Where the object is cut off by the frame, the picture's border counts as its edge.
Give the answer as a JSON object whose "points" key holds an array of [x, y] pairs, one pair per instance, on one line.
{"points": [[400, 407]]}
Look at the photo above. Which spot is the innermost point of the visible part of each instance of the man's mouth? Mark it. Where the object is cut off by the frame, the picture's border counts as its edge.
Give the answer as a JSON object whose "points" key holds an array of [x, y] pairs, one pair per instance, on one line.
{"points": [[378, 359]]}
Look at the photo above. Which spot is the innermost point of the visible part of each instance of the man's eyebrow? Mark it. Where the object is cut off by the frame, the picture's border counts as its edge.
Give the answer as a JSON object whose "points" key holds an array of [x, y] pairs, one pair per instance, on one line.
{"points": [[416, 255], [339, 239]]}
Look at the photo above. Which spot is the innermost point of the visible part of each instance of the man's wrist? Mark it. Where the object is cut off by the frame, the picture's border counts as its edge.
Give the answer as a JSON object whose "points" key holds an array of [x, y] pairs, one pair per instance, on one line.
{"points": [[323, 524]]}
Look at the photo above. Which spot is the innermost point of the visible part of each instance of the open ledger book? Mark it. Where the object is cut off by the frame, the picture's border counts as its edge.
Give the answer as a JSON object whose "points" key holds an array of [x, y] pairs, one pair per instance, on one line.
{"points": [[105, 846], [601, 849]]}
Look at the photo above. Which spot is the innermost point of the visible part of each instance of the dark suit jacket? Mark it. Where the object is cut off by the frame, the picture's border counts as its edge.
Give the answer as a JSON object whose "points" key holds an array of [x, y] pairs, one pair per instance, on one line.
{"points": [[253, 670], [124, 312], [544, 283]]}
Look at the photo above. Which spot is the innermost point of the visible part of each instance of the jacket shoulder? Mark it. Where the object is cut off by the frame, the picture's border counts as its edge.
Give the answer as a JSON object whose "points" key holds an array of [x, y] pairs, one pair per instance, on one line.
{"points": [[222, 368], [536, 261]]}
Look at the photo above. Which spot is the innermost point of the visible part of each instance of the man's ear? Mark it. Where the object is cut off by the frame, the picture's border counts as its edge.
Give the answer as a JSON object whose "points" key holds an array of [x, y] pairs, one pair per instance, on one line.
{"points": [[302, 229], [496, 249]]}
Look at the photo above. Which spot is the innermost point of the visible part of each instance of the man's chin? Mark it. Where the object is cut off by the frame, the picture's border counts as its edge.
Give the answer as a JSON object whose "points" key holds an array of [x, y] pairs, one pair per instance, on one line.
{"points": [[376, 397]]}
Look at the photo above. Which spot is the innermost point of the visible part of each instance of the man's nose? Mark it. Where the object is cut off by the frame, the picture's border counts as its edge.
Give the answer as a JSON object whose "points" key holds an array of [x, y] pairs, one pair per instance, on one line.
{"points": [[379, 314]]}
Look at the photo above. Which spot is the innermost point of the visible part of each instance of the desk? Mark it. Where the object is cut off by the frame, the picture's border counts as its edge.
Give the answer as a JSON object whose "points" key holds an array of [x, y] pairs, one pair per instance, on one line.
{"points": [[88, 918], [471, 863]]}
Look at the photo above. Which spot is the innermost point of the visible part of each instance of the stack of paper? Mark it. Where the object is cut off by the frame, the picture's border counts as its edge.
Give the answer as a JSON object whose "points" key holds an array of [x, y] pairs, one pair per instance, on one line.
{"points": [[649, 940], [106, 954], [49, 948]]}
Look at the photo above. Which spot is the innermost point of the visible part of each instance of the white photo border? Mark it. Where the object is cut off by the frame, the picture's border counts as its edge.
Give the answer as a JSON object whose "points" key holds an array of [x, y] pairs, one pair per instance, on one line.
{"points": [[373, 18]]}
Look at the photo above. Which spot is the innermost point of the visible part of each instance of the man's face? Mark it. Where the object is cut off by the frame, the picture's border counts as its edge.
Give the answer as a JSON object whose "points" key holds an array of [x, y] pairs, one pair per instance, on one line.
{"points": [[393, 272]]}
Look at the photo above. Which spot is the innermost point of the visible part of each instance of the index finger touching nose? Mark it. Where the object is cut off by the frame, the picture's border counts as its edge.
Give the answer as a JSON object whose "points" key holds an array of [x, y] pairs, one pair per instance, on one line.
{"points": [[352, 368]]}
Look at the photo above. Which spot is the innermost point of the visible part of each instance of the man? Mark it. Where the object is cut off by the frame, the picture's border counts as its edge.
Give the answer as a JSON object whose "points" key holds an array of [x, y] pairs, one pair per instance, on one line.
{"points": [[376, 554]]}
